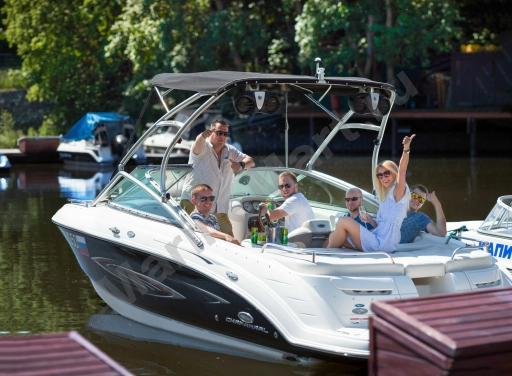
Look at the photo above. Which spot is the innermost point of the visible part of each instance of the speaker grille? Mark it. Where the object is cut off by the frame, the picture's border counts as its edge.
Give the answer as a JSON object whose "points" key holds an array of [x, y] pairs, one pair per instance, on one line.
{"points": [[244, 104]]}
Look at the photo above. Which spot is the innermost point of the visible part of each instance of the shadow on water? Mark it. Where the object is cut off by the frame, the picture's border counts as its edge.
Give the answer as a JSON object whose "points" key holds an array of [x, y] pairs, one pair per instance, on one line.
{"points": [[45, 290]]}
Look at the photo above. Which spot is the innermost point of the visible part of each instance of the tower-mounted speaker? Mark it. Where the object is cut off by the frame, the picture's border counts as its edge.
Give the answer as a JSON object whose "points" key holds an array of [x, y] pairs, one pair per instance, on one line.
{"points": [[369, 103], [256, 101]]}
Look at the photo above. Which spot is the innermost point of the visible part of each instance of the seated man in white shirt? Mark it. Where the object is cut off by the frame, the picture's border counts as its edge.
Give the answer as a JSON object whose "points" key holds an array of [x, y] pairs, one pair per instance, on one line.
{"points": [[295, 208]]}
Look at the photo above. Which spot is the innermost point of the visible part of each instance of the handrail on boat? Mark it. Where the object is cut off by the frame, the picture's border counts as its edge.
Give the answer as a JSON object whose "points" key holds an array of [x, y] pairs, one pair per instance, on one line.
{"points": [[75, 201], [484, 245], [304, 251]]}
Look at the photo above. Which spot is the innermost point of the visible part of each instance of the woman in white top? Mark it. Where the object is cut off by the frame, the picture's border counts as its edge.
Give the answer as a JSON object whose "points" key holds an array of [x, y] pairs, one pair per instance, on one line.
{"points": [[393, 194]]}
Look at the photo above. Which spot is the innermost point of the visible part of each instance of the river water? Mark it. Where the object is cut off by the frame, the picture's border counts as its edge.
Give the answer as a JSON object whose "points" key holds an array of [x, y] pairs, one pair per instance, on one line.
{"points": [[43, 288]]}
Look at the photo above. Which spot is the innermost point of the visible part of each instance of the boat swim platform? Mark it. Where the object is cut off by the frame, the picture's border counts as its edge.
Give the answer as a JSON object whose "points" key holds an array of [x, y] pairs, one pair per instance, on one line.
{"points": [[465, 333], [54, 354]]}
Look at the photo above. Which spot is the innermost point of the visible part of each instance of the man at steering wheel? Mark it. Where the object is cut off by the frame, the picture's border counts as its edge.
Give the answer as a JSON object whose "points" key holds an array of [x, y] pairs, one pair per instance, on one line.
{"points": [[295, 208]]}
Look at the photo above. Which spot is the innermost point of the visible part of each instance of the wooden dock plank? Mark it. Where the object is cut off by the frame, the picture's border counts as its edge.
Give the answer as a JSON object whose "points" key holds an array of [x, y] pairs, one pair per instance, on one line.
{"points": [[54, 354]]}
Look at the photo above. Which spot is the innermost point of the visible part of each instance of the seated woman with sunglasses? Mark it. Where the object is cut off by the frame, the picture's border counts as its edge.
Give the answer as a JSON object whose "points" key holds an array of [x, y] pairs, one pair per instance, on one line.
{"points": [[416, 222], [295, 208], [393, 195], [203, 200]]}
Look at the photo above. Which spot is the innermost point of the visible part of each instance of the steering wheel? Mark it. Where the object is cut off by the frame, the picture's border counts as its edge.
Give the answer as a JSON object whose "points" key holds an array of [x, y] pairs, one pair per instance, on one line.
{"points": [[261, 226]]}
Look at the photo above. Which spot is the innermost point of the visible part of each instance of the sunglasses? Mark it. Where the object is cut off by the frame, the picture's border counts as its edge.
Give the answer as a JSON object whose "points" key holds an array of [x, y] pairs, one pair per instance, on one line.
{"points": [[220, 133], [205, 198], [347, 199], [384, 174], [281, 186], [417, 197]]}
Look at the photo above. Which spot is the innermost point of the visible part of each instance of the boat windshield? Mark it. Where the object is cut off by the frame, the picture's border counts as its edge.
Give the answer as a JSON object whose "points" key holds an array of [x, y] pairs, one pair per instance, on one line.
{"points": [[130, 196], [500, 217], [319, 193]]}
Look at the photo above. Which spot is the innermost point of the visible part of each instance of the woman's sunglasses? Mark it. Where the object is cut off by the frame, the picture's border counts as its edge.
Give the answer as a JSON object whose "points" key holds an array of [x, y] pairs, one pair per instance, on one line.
{"points": [[205, 198], [417, 197], [220, 133], [384, 174], [281, 186]]}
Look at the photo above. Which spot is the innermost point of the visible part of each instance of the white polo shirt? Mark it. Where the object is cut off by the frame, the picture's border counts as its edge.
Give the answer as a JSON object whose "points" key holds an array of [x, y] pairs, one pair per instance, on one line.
{"points": [[298, 210], [207, 171]]}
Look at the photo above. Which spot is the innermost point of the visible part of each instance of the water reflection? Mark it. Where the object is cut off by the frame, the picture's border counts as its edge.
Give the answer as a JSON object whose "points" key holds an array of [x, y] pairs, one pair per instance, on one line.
{"points": [[83, 185], [45, 290], [160, 352]]}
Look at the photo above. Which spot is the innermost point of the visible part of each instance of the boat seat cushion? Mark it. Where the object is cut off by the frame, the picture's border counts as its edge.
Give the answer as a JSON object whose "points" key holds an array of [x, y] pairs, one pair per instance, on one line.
{"points": [[312, 233]]}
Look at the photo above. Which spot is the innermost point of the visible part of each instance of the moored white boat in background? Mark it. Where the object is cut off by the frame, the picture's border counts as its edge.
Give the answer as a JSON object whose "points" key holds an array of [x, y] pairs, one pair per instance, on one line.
{"points": [[496, 230], [99, 139]]}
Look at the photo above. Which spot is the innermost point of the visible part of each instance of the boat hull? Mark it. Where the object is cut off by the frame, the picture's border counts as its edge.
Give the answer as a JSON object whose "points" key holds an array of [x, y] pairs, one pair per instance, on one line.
{"points": [[170, 296]]}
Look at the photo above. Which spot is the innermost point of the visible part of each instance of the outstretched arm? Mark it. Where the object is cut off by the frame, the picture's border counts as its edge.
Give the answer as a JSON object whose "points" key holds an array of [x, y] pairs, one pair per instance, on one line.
{"points": [[402, 168], [199, 144], [439, 226]]}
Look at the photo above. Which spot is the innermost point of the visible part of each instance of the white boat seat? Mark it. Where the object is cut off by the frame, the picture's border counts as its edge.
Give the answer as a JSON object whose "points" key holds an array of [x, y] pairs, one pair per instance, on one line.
{"points": [[430, 256], [312, 233]]}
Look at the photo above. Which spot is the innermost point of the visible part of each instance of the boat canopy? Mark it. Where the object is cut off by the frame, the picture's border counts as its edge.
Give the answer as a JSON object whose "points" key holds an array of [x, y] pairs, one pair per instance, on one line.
{"points": [[217, 82], [84, 128]]}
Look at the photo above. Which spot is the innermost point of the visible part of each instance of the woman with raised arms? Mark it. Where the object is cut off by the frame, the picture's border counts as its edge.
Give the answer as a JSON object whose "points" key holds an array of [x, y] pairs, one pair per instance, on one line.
{"points": [[393, 194]]}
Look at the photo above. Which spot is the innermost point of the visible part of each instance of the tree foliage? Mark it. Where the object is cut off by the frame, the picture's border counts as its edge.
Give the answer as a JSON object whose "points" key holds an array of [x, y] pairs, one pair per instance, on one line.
{"points": [[100, 55], [62, 45]]}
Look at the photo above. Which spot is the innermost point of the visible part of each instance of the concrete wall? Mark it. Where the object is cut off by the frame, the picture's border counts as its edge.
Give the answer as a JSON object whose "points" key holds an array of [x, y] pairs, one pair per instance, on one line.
{"points": [[26, 114]]}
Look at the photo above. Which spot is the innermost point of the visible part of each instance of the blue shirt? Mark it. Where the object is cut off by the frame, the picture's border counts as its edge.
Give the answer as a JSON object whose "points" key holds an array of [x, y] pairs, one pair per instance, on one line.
{"points": [[210, 220], [358, 220], [412, 225]]}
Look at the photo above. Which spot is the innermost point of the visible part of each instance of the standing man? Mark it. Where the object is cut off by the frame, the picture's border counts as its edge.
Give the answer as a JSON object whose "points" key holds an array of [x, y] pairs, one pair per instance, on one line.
{"points": [[416, 222], [203, 200], [214, 164], [295, 208], [353, 201]]}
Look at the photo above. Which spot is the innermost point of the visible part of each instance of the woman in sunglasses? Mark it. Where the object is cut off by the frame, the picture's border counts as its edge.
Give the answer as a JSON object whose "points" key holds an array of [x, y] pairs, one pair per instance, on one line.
{"points": [[416, 222], [393, 194]]}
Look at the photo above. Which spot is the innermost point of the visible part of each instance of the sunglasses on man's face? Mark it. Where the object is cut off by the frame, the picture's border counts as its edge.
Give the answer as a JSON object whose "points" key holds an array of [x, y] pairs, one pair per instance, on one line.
{"points": [[417, 197], [384, 174], [220, 133], [205, 198], [347, 199], [281, 186]]}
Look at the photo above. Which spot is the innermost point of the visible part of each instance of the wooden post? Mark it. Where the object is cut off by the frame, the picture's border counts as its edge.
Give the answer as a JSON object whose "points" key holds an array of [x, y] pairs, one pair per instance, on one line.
{"points": [[472, 150]]}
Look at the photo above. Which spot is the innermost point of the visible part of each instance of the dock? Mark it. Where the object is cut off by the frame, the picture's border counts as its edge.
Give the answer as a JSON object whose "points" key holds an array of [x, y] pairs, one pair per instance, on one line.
{"points": [[468, 333], [54, 354]]}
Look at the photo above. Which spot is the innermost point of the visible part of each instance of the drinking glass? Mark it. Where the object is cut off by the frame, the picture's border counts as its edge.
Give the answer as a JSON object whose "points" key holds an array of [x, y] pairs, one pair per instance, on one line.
{"points": [[362, 210]]}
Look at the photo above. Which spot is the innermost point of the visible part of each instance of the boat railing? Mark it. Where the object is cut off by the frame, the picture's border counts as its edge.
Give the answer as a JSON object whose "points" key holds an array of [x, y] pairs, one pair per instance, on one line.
{"points": [[304, 251], [75, 201]]}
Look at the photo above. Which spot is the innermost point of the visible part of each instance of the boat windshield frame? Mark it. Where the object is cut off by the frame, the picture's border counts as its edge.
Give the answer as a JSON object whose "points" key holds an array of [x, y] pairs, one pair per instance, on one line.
{"points": [[499, 220]]}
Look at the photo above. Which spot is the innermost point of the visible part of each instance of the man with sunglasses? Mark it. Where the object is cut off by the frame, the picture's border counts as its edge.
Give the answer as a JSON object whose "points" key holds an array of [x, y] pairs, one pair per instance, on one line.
{"points": [[353, 201], [295, 208], [214, 162], [203, 200], [416, 222]]}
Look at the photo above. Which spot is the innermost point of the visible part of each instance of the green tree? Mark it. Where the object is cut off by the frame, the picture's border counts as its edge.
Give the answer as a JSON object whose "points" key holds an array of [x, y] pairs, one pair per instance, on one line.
{"points": [[356, 37], [62, 46]]}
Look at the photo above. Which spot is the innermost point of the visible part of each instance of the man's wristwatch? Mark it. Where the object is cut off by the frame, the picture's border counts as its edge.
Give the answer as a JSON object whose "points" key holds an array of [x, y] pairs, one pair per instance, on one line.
{"points": [[407, 151], [242, 164]]}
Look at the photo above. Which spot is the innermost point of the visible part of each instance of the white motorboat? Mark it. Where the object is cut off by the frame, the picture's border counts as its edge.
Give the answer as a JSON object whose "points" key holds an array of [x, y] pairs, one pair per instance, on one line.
{"points": [[149, 261], [496, 230], [99, 139]]}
